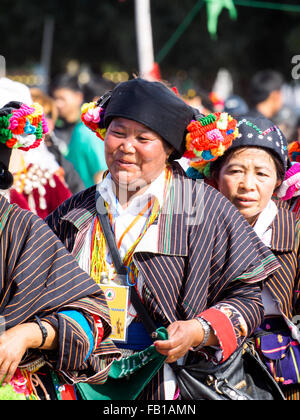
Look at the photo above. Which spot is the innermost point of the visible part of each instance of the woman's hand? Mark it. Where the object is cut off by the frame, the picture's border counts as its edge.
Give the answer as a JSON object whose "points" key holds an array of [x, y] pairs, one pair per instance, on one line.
{"points": [[182, 336], [16, 341]]}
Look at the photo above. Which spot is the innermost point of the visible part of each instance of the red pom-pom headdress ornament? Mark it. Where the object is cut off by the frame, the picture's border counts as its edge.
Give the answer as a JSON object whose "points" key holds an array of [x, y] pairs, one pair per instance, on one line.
{"points": [[92, 115], [22, 126], [208, 138]]}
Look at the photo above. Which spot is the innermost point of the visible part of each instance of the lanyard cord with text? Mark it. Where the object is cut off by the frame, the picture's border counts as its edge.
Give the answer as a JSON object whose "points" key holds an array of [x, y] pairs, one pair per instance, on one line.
{"points": [[122, 271], [99, 264], [123, 268]]}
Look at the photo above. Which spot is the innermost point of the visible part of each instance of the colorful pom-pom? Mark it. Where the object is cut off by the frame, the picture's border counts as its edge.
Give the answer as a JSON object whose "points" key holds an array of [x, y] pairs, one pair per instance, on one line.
{"points": [[294, 151], [291, 185], [92, 116], [208, 138], [24, 128]]}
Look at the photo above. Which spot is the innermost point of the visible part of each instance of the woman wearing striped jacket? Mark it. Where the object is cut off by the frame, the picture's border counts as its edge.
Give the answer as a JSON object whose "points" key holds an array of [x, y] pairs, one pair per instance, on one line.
{"points": [[248, 174], [195, 262], [53, 316]]}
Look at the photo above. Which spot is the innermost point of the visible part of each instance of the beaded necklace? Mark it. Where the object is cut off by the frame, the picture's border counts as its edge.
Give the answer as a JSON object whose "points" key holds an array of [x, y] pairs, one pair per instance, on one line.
{"points": [[99, 265]]}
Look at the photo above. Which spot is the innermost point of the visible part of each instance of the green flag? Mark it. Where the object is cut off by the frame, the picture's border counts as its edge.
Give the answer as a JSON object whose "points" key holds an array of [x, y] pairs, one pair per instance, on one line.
{"points": [[214, 8], [128, 376]]}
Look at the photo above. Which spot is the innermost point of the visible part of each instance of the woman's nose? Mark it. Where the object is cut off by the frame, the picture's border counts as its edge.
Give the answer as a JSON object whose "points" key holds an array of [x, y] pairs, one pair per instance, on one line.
{"points": [[248, 182], [128, 145]]}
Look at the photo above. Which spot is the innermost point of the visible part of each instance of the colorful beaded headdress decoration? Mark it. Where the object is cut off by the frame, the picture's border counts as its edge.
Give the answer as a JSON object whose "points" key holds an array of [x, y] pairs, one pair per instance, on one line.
{"points": [[208, 138], [291, 185], [294, 151], [22, 126], [92, 115]]}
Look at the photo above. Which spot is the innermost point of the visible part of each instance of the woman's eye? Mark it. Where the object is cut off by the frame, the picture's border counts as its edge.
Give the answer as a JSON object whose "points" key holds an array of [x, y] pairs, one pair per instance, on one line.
{"points": [[117, 133]]}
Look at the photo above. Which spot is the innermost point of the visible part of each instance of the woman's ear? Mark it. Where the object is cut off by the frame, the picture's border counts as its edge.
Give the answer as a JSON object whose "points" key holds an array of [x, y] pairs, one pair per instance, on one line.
{"points": [[214, 179], [277, 185], [169, 151]]}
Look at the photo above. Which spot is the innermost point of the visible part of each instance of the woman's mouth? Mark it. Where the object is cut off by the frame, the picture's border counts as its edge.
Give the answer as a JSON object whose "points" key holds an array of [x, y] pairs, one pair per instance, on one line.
{"points": [[124, 163], [244, 202]]}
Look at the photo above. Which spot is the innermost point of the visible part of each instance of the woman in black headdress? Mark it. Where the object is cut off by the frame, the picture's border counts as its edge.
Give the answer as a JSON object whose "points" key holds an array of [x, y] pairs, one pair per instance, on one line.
{"points": [[194, 261], [250, 173]]}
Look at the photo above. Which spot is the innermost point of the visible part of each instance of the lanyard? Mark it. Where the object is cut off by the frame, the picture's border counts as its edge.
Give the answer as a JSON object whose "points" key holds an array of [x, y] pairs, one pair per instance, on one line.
{"points": [[136, 219], [98, 258]]}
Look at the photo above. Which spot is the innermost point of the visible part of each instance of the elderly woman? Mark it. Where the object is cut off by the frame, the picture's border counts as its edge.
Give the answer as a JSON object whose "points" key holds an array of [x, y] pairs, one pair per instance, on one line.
{"points": [[53, 315], [249, 173], [195, 262]]}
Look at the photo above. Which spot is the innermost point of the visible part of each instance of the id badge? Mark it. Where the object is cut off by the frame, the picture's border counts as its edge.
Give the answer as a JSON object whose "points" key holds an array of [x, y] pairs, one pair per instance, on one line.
{"points": [[117, 300]]}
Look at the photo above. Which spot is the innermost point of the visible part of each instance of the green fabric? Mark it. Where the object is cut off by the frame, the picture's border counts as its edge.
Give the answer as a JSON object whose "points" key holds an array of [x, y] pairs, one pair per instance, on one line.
{"points": [[7, 393], [86, 152], [128, 376], [214, 8]]}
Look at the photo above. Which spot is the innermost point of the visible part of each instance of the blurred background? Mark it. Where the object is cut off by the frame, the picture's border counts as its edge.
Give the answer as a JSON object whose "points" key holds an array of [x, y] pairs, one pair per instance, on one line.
{"points": [[234, 55], [89, 37]]}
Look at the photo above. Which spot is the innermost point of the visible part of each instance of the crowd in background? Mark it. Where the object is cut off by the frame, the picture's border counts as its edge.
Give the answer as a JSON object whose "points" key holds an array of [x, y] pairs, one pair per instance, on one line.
{"points": [[73, 158]]}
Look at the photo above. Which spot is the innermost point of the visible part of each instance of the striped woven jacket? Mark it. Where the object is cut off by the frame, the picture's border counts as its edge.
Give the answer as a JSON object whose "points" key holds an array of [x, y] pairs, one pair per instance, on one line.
{"points": [[203, 259], [39, 277], [284, 283]]}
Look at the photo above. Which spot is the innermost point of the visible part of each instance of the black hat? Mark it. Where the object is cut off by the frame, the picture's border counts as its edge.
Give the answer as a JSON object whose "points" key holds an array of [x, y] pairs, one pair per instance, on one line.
{"points": [[247, 132], [261, 132], [153, 105]]}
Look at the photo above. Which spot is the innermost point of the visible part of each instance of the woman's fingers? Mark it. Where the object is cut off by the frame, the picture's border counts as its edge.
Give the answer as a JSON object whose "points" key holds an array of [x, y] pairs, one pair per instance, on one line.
{"points": [[12, 349], [4, 368], [171, 351], [10, 373], [181, 336]]}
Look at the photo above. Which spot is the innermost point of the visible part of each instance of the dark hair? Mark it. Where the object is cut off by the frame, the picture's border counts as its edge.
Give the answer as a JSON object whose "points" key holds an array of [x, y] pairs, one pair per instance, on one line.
{"points": [[263, 84], [216, 166], [66, 82], [6, 178], [96, 88]]}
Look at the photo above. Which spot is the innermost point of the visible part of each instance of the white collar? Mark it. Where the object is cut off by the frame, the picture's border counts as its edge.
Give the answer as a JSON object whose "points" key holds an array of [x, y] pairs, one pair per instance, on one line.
{"points": [[156, 190], [265, 219]]}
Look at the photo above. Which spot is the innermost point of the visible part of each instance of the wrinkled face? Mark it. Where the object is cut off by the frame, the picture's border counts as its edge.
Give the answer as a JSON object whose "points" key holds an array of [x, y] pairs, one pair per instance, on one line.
{"points": [[135, 155], [248, 179]]}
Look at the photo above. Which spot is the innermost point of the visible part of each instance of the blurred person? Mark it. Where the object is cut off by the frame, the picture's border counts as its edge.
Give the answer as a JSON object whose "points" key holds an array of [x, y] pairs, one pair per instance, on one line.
{"points": [[11, 90], [76, 142], [265, 95], [217, 101], [199, 99], [286, 119], [235, 105], [37, 186], [68, 173], [39, 183], [96, 87]]}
